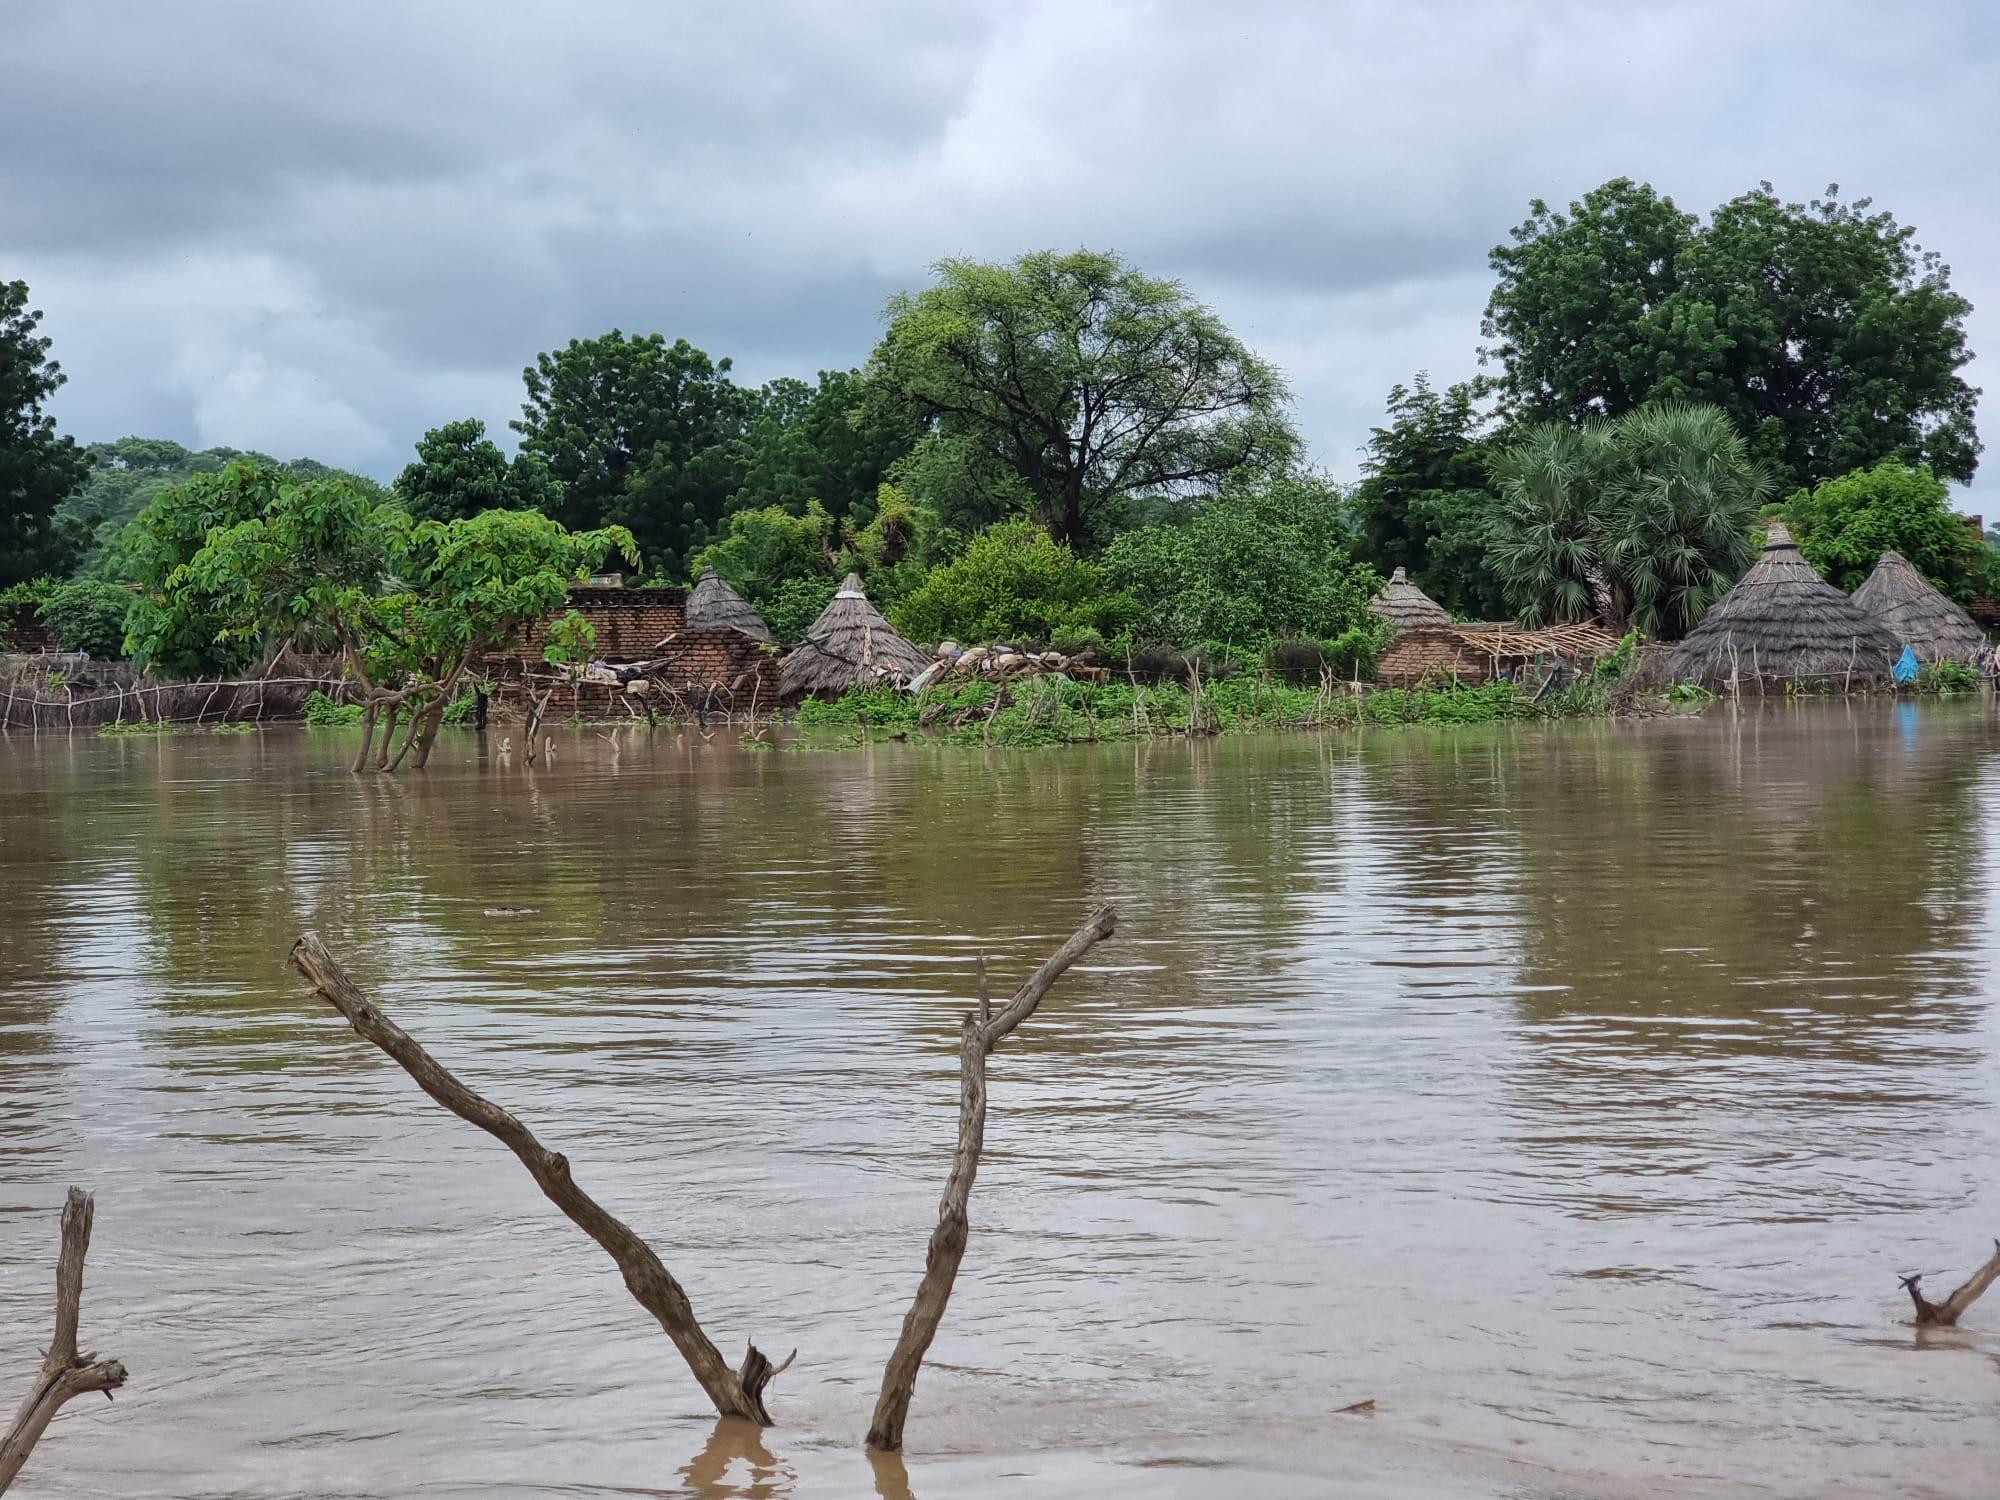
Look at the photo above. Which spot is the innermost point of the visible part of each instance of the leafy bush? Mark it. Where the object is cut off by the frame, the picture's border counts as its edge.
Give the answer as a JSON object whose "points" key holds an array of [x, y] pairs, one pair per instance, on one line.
{"points": [[322, 712], [1947, 677], [1013, 583], [89, 616], [23, 598], [1620, 661], [1844, 525]]}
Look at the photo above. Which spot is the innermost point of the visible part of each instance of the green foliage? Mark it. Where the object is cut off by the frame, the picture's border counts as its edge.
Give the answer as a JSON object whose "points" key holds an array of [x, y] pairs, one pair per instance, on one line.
{"points": [[1423, 501], [128, 475], [571, 639], [89, 616], [820, 444], [1825, 334], [130, 729], [1621, 661], [1946, 678], [1845, 525], [1689, 695], [321, 712], [39, 468], [639, 433], [1647, 519], [21, 600], [1063, 384], [459, 472], [1265, 559], [1013, 583]]}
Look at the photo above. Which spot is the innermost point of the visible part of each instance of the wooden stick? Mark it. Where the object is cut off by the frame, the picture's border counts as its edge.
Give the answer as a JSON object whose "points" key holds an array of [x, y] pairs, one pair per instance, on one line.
{"points": [[1945, 1314], [983, 1031], [65, 1373], [736, 1393]]}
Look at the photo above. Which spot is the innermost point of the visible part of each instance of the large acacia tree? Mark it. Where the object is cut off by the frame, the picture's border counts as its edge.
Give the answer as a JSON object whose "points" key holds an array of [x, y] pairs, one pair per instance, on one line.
{"points": [[38, 466], [1063, 385], [1823, 331]]}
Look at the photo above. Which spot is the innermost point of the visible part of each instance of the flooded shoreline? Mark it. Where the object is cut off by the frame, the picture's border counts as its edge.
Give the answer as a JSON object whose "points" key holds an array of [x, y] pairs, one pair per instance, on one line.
{"points": [[1574, 1092]]}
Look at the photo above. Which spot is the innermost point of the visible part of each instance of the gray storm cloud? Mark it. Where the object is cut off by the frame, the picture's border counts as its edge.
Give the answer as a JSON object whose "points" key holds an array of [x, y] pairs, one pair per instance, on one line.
{"points": [[319, 229]]}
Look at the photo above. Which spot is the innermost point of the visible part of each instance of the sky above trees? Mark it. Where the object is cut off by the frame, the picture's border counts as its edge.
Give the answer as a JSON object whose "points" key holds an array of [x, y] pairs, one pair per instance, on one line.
{"points": [[320, 229]]}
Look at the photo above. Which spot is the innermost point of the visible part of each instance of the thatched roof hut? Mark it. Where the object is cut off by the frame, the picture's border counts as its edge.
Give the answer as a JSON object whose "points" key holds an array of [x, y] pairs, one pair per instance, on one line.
{"points": [[1781, 622], [714, 602], [1405, 606], [1919, 617], [849, 645], [1479, 652]]}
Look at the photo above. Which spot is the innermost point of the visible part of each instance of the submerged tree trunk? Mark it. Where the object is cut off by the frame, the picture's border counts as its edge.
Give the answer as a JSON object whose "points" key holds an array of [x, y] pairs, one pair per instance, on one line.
{"points": [[983, 1031], [1945, 1314], [735, 1393], [65, 1372]]}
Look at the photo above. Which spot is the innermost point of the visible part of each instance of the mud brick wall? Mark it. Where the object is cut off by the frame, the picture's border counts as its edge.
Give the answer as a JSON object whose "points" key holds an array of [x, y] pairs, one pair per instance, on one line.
{"points": [[1417, 654], [629, 623], [21, 629]]}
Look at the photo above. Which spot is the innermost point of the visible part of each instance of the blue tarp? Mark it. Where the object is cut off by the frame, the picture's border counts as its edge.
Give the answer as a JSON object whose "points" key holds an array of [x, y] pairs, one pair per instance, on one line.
{"points": [[1905, 670]]}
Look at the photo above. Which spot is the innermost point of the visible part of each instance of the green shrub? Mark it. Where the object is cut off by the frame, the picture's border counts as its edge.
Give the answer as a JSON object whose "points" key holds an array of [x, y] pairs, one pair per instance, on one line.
{"points": [[1947, 677], [89, 616], [1013, 583], [322, 712], [1620, 661]]}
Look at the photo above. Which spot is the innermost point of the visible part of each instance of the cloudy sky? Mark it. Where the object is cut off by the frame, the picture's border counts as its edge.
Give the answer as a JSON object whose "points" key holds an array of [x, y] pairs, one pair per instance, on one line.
{"points": [[320, 228]]}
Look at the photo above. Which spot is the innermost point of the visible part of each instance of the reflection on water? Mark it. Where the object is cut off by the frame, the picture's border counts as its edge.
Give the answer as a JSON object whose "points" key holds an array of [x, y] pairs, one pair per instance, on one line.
{"points": [[1572, 1093]]}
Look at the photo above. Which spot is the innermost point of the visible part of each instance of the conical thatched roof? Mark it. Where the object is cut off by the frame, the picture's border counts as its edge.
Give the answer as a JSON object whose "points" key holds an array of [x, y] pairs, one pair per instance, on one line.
{"points": [[714, 602], [1919, 617], [1782, 620], [1405, 606], [849, 645]]}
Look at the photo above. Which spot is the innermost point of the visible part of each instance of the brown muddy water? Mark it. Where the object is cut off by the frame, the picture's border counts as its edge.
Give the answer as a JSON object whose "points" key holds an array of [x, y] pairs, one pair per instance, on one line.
{"points": [[1575, 1094]]}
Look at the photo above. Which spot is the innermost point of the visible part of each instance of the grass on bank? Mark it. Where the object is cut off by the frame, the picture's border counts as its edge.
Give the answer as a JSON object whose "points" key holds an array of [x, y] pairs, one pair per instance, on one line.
{"points": [[1055, 711]]}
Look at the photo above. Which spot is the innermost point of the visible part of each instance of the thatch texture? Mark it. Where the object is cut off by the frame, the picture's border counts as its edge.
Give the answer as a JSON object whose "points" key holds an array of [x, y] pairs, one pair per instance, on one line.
{"points": [[1405, 606], [849, 645], [714, 602], [1783, 622], [1919, 617]]}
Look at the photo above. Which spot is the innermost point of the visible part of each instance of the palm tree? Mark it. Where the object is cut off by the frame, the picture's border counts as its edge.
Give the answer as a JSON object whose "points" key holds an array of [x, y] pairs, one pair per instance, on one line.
{"points": [[1681, 503], [1547, 527]]}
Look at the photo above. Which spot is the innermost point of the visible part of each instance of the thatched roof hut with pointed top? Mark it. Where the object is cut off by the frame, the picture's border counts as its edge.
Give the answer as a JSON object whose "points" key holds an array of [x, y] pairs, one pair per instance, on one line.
{"points": [[1903, 600], [1783, 622], [1405, 606], [714, 603], [849, 645]]}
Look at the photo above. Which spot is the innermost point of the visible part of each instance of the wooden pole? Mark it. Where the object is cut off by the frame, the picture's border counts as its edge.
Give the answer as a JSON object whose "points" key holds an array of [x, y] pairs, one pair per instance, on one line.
{"points": [[1945, 1314], [982, 1031], [65, 1372]]}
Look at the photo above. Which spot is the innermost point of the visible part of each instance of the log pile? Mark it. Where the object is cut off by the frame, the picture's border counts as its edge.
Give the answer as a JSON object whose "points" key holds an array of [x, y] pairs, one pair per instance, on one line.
{"points": [[1003, 663]]}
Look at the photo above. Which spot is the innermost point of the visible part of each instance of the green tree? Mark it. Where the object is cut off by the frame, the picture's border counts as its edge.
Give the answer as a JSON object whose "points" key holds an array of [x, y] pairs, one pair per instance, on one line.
{"points": [[1824, 332], [1644, 521], [1422, 503], [1844, 525], [1264, 560], [1015, 583], [39, 467], [184, 640], [459, 472], [1067, 384], [639, 433], [819, 442]]}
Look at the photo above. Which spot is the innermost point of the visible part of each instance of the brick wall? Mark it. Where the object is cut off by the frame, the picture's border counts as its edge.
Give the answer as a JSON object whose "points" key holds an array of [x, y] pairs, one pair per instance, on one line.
{"points": [[629, 623], [1424, 652], [22, 630]]}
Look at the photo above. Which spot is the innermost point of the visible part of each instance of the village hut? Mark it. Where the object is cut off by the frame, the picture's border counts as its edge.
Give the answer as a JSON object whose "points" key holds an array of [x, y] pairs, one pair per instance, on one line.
{"points": [[1485, 652], [714, 603], [1405, 606], [849, 645], [1916, 614], [1783, 622]]}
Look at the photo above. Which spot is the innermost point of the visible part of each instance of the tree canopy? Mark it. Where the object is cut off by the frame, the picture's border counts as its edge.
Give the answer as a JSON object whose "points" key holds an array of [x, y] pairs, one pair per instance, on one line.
{"points": [[1644, 521], [1823, 331], [1061, 385], [39, 467], [459, 472], [1845, 525]]}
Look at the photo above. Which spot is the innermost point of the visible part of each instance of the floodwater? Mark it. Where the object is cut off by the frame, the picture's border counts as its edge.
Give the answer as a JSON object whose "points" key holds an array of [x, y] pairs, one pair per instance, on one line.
{"points": [[1573, 1094]]}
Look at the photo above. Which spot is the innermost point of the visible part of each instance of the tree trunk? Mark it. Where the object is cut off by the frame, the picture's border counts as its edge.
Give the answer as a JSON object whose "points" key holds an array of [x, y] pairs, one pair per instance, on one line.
{"points": [[65, 1372], [735, 1393], [367, 737], [982, 1032], [1945, 1314]]}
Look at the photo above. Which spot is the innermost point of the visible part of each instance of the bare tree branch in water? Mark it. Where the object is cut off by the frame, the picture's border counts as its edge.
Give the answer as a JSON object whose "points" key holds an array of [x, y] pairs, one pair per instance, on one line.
{"points": [[983, 1031], [65, 1372], [736, 1393], [1945, 1314]]}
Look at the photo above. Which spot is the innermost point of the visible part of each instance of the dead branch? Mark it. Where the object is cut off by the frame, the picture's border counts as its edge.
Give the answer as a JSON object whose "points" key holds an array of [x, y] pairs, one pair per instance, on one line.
{"points": [[1945, 1314], [736, 1393], [65, 1373], [983, 1030]]}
